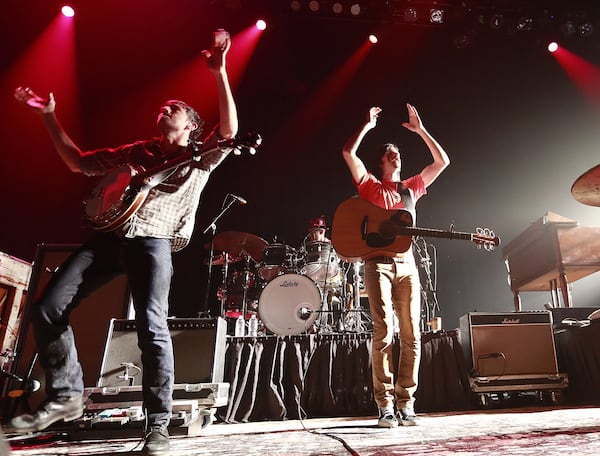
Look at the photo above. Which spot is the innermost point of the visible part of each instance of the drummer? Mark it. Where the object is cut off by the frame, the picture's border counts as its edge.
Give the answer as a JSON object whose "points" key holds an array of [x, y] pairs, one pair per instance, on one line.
{"points": [[321, 262], [317, 229], [322, 266]]}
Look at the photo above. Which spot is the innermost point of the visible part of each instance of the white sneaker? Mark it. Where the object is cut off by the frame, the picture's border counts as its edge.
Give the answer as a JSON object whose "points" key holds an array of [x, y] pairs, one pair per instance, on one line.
{"points": [[387, 418], [407, 416]]}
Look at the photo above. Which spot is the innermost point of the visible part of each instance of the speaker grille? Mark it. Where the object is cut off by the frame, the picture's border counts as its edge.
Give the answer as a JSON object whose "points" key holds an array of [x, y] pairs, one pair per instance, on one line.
{"points": [[198, 345], [519, 343]]}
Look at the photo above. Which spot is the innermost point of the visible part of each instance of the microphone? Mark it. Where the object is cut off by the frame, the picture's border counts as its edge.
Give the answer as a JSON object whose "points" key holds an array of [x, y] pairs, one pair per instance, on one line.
{"points": [[239, 199]]}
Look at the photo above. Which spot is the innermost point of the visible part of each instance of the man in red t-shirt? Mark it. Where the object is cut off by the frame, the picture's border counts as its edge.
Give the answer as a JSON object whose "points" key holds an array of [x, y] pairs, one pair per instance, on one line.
{"points": [[392, 282]]}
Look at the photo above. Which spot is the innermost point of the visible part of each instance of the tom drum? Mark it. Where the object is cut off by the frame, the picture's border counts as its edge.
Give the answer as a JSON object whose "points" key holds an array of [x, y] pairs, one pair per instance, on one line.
{"points": [[320, 261], [276, 259]]}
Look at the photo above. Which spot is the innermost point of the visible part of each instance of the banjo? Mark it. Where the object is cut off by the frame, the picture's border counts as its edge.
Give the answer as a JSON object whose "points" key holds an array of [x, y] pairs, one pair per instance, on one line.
{"points": [[119, 194]]}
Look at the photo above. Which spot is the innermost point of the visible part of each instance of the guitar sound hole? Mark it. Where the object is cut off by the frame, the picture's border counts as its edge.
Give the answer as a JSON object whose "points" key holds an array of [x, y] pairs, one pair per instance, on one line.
{"points": [[377, 240]]}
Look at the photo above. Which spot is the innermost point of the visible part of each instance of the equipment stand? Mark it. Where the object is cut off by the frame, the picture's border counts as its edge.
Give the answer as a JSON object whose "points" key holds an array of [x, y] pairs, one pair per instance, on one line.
{"points": [[429, 302], [356, 318]]}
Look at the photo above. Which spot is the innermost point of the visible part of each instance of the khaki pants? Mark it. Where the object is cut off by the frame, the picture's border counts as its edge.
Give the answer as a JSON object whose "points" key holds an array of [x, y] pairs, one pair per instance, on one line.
{"points": [[394, 288]]}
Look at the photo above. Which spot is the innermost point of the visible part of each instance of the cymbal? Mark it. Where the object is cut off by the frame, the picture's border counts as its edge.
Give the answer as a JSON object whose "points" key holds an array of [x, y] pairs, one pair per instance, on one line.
{"points": [[221, 259], [586, 188], [238, 243]]}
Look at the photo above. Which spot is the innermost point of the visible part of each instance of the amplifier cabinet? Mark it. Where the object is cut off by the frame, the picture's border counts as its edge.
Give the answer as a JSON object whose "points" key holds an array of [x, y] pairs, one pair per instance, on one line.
{"points": [[199, 346], [503, 344]]}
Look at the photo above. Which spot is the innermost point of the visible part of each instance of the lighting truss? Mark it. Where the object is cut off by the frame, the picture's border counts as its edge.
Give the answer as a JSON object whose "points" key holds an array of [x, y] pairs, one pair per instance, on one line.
{"points": [[566, 18]]}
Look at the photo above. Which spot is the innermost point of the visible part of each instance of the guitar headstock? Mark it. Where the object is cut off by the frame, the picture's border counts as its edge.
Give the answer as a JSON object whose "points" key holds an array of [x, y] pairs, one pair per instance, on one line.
{"points": [[485, 238], [248, 141]]}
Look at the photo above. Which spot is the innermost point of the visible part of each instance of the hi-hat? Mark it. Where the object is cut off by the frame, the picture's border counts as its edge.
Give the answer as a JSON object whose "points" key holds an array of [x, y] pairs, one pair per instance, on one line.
{"points": [[238, 244], [586, 189]]}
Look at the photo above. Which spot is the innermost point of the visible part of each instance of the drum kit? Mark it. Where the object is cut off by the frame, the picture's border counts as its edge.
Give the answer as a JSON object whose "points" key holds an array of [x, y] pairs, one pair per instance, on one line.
{"points": [[291, 291]]}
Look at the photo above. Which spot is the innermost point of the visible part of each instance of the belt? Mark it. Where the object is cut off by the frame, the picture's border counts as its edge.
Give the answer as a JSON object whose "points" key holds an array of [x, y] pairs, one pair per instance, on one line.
{"points": [[389, 259]]}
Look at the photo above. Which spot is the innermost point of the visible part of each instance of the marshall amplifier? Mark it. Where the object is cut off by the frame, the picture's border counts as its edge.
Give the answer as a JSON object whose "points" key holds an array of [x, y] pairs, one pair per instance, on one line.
{"points": [[504, 344], [198, 345]]}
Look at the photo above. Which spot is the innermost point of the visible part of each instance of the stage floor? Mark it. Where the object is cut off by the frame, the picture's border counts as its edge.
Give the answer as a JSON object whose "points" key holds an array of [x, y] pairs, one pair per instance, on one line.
{"points": [[547, 430]]}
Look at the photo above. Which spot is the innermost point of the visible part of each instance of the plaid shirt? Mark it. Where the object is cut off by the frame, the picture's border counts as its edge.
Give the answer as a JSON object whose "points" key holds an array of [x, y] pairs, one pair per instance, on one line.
{"points": [[169, 210]]}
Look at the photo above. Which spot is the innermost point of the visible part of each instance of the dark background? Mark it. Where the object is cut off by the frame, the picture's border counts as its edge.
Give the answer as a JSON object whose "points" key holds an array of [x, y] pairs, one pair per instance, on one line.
{"points": [[517, 129]]}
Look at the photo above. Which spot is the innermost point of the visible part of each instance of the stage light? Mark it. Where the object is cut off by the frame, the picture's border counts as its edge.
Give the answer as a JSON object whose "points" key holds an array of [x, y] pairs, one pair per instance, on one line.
{"points": [[295, 5], [410, 15], [261, 24], [373, 39], [337, 8], [553, 46], [436, 16], [496, 21], [67, 11], [525, 24], [314, 5], [586, 29], [355, 9]]}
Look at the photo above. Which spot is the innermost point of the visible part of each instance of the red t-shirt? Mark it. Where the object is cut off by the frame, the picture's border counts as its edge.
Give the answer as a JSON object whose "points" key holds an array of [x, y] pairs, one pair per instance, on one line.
{"points": [[385, 195]]}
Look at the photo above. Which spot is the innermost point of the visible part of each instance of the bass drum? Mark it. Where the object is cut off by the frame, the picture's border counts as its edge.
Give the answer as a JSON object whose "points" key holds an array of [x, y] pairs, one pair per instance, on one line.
{"points": [[289, 304]]}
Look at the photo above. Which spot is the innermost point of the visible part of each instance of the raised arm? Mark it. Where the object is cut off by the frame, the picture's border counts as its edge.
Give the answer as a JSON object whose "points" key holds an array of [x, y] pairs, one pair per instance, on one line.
{"points": [[45, 108], [228, 120], [440, 158], [355, 164]]}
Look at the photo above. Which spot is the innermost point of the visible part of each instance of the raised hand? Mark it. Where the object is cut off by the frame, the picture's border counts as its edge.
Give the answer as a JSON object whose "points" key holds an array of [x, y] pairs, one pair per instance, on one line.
{"points": [[414, 121], [215, 56], [29, 98], [373, 115]]}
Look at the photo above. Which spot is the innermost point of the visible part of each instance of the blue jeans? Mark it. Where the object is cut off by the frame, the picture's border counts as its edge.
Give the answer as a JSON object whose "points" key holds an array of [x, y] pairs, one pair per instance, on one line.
{"points": [[148, 265]]}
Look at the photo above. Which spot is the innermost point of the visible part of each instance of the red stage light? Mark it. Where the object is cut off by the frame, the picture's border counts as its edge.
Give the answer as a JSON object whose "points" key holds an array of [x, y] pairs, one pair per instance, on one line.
{"points": [[553, 46], [261, 25], [373, 39], [67, 11]]}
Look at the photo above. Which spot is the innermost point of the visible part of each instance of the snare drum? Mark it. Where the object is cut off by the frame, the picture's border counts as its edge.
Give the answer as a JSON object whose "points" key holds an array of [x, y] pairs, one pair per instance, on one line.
{"points": [[320, 261], [289, 304], [276, 259]]}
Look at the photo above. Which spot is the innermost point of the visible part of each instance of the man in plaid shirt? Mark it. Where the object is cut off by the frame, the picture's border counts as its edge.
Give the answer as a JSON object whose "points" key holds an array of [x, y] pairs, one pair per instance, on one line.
{"points": [[140, 248]]}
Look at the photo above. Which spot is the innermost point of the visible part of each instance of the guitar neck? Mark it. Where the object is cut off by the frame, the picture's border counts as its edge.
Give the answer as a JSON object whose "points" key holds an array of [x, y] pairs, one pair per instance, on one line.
{"points": [[432, 232], [178, 161]]}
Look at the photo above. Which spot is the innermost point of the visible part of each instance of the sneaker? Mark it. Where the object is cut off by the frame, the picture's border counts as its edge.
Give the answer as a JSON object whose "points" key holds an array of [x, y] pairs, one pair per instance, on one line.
{"points": [[67, 409], [157, 442], [407, 416], [387, 419]]}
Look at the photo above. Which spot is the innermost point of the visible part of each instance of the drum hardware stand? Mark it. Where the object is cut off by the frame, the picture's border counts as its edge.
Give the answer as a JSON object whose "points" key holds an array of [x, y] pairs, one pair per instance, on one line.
{"points": [[429, 305], [212, 227], [353, 320], [245, 286], [223, 294], [28, 386], [326, 318]]}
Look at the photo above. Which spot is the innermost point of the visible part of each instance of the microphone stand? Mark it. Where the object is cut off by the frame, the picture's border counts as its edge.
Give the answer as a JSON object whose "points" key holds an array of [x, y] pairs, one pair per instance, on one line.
{"points": [[212, 227]]}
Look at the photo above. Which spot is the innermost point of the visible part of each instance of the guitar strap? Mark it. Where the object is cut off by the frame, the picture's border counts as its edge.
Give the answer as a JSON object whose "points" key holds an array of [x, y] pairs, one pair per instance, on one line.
{"points": [[407, 200]]}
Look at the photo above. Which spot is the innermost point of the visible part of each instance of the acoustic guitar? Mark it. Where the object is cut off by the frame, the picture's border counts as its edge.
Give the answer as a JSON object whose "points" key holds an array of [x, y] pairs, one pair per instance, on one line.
{"points": [[119, 194], [361, 230]]}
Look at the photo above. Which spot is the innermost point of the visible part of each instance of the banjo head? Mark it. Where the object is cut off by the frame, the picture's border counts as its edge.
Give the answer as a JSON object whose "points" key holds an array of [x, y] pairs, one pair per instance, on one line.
{"points": [[109, 192]]}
